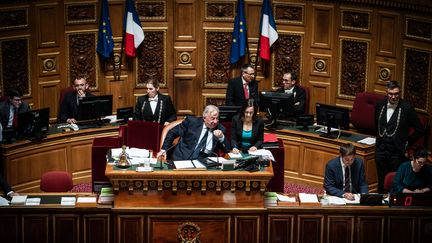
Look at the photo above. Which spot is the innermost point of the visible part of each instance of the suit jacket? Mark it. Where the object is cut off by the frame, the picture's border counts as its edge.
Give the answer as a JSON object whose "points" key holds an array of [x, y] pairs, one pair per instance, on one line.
{"points": [[408, 119], [5, 111], [189, 132], [237, 130], [167, 113], [235, 92], [69, 106], [4, 185], [334, 180], [299, 101]]}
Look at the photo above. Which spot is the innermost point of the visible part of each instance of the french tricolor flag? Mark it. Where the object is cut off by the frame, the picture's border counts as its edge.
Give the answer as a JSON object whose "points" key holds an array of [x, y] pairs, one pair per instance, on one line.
{"points": [[268, 30], [134, 34]]}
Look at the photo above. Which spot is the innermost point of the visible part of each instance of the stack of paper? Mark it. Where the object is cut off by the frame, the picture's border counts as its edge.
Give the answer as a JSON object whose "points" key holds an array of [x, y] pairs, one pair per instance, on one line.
{"points": [[34, 201], [68, 201], [264, 153], [308, 199], [106, 196], [270, 198], [89, 201], [18, 200]]}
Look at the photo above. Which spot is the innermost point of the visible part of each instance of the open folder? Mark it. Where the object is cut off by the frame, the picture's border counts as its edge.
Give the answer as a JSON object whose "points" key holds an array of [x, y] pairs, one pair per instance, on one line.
{"points": [[188, 165]]}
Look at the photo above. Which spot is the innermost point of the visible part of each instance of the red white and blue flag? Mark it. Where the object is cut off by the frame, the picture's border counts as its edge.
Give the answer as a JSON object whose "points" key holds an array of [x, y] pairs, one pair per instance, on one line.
{"points": [[134, 34], [268, 31]]}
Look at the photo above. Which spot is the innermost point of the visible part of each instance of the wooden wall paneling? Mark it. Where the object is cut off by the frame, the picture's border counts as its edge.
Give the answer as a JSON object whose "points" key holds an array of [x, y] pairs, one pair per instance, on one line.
{"points": [[97, 228], [14, 17], [35, 228], [355, 19], [213, 99], [320, 65], [310, 228], [185, 56], [49, 93], [185, 16], [129, 229], [293, 151], [184, 88], [385, 70], [217, 58], [80, 160], [280, 228], [340, 229], [220, 11], [418, 28], [387, 34], [289, 13], [48, 28], [322, 26], [9, 228], [400, 229], [65, 228], [80, 12], [315, 160], [246, 229], [370, 229], [424, 229], [319, 93], [120, 90], [48, 64]]}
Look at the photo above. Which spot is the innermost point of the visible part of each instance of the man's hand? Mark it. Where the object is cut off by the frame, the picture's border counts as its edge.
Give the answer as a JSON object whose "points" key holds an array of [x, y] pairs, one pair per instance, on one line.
{"points": [[349, 196], [218, 133], [81, 93], [71, 121], [253, 149], [161, 154], [235, 150]]}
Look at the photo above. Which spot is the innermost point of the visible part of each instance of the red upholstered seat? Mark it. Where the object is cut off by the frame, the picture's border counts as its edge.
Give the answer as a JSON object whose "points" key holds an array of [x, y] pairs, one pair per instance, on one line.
{"points": [[388, 181], [100, 149], [56, 181], [363, 112]]}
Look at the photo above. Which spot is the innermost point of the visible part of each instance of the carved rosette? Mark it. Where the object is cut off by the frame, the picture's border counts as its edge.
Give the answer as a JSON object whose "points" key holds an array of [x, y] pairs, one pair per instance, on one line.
{"points": [[418, 29], [82, 57], [189, 233], [353, 67], [417, 75], [384, 74], [287, 55], [320, 65], [80, 13], [288, 13], [152, 58], [217, 65], [151, 10], [13, 18], [15, 64], [220, 10], [355, 20]]}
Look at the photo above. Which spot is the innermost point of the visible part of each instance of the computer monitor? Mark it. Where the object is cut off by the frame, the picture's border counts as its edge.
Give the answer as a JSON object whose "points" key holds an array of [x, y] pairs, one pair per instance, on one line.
{"points": [[33, 124], [226, 113], [123, 114], [332, 117], [304, 121], [94, 107], [274, 103]]}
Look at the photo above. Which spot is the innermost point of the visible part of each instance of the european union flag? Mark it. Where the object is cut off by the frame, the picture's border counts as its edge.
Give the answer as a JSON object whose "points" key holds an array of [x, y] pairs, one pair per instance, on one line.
{"points": [[239, 35], [105, 43]]}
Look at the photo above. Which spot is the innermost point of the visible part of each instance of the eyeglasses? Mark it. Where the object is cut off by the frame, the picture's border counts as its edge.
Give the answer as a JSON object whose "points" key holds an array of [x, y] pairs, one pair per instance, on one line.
{"points": [[250, 74], [393, 94], [286, 80]]}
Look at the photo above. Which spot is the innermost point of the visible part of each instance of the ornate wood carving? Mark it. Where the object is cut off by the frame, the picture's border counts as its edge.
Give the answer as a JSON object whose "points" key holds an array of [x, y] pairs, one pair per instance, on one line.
{"points": [[220, 10], [355, 20], [288, 57], [217, 51], [417, 76], [151, 10], [353, 67], [82, 57], [188, 232], [11, 19], [80, 13], [15, 65], [418, 29], [287, 13], [217, 100], [152, 58]]}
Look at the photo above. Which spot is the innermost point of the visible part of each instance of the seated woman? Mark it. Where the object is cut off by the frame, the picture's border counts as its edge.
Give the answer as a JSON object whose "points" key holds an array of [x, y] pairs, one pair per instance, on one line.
{"points": [[247, 130], [155, 107], [414, 176]]}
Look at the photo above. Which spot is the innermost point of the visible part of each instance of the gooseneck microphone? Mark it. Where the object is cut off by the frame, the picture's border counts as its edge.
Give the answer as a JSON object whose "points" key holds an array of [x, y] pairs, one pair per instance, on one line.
{"points": [[159, 158]]}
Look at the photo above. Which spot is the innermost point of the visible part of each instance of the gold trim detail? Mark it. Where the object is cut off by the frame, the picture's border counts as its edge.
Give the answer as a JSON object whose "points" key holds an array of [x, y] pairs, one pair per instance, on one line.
{"points": [[189, 233], [384, 74], [185, 58], [49, 65], [320, 65]]}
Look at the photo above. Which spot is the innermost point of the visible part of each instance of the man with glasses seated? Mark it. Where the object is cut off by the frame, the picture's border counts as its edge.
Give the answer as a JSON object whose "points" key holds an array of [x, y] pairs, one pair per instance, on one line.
{"points": [[10, 108], [69, 106], [242, 88], [393, 119], [290, 87]]}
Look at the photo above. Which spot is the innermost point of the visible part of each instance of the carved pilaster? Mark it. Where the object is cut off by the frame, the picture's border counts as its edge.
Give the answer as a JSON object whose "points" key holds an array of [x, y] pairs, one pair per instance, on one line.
{"points": [[217, 51], [151, 61]]}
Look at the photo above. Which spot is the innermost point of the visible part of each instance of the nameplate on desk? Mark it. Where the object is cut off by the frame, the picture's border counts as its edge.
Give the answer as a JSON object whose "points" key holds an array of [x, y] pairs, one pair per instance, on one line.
{"points": [[144, 169]]}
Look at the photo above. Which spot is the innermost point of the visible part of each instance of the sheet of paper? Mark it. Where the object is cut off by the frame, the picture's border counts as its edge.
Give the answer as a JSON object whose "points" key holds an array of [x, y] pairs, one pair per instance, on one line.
{"points": [[183, 164], [368, 140], [138, 153], [4, 201], [86, 200], [199, 165], [34, 201], [68, 201], [264, 153], [284, 198], [355, 201], [18, 199], [308, 198], [235, 156], [333, 200]]}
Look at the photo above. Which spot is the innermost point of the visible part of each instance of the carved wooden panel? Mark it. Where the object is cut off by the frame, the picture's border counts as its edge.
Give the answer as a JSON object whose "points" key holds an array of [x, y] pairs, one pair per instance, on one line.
{"points": [[385, 72], [48, 64], [219, 10], [213, 99], [81, 57], [355, 20], [281, 229], [185, 106], [292, 158], [66, 228], [322, 26], [9, 228], [217, 53], [15, 64], [289, 13], [151, 10], [16, 18], [184, 19], [353, 67], [152, 60], [340, 229], [370, 229], [424, 228], [310, 228], [419, 29], [401, 229], [97, 228], [417, 76], [287, 56], [35, 228], [130, 229], [246, 229], [320, 65], [47, 29], [387, 34], [78, 13]]}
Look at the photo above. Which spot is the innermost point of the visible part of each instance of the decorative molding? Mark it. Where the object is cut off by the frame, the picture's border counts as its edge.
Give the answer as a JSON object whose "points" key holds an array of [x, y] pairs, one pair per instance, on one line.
{"points": [[151, 10], [48, 64], [384, 72], [151, 58], [220, 10], [287, 56], [355, 20], [216, 59], [188, 233], [78, 13], [185, 58], [418, 29], [321, 64], [289, 13], [353, 58], [14, 18], [213, 99]]}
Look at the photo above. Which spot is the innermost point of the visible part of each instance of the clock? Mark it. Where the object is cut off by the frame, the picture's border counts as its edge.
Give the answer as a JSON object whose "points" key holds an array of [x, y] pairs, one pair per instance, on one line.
{"points": [[411, 200]]}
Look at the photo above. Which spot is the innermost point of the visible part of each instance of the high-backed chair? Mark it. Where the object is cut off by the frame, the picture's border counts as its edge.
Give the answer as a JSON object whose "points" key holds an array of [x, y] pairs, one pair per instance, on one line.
{"points": [[63, 93], [388, 181], [164, 133], [307, 102], [56, 181], [142, 134], [363, 112]]}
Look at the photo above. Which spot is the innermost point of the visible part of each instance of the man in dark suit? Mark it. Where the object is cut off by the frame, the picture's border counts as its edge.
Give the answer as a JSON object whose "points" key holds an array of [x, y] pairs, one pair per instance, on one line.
{"points": [[7, 190], [393, 119], [345, 175], [199, 136], [10, 108], [69, 106], [242, 88], [290, 87]]}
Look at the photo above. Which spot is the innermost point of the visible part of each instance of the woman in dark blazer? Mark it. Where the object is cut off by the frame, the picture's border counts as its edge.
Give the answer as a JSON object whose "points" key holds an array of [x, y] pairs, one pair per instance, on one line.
{"points": [[154, 106], [247, 130]]}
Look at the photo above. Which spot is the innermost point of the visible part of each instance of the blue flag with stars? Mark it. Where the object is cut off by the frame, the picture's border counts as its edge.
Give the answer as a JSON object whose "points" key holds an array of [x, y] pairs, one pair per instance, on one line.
{"points": [[105, 44], [239, 34]]}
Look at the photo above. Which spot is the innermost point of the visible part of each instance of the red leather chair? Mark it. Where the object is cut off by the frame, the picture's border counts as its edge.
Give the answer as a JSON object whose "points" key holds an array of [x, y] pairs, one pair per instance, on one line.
{"points": [[363, 112], [56, 181], [142, 134], [100, 149], [388, 181]]}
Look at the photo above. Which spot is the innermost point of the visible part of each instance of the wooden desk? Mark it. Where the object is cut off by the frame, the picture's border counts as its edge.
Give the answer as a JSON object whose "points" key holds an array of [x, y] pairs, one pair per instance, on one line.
{"points": [[306, 154], [24, 162]]}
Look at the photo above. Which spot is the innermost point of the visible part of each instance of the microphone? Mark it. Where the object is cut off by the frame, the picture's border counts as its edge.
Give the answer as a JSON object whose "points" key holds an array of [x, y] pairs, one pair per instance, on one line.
{"points": [[159, 158], [208, 162]]}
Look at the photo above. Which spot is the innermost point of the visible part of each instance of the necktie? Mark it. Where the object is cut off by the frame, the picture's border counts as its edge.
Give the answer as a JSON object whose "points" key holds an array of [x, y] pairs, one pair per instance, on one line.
{"points": [[153, 99], [347, 179], [201, 145], [15, 118], [246, 92]]}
